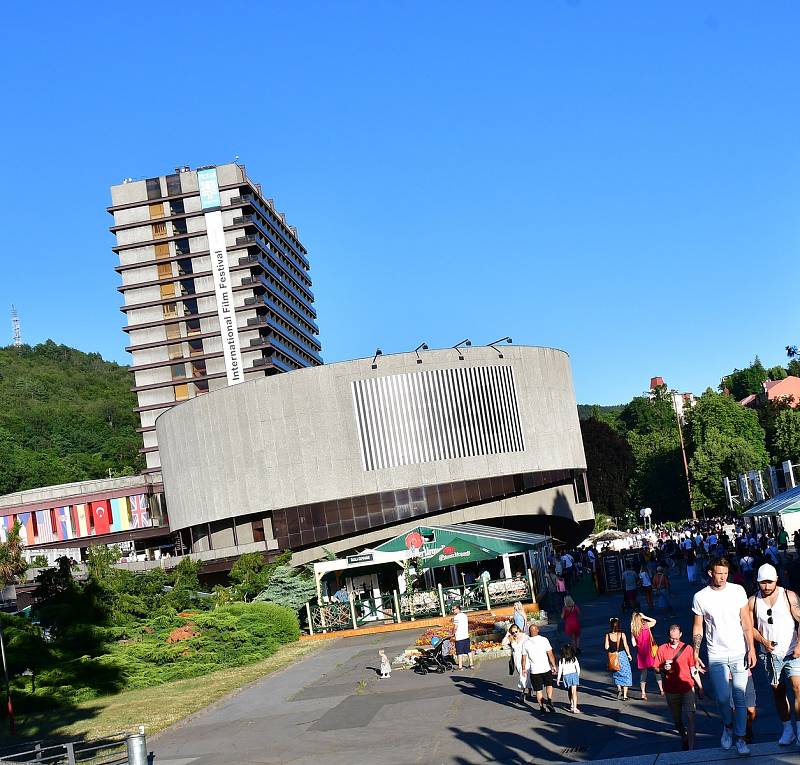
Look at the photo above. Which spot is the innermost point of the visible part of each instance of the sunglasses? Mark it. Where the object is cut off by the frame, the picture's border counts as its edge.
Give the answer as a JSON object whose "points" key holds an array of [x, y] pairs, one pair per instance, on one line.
{"points": [[769, 616]]}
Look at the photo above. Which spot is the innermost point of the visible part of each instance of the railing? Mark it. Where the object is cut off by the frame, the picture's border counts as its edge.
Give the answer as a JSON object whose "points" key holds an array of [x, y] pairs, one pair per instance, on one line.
{"points": [[470, 597], [119, 749], [359, 612], [420, 603], [371, 610]]}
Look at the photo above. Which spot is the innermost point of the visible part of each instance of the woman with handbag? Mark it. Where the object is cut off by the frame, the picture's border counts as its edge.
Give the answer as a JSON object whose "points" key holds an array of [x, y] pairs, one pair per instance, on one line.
{"points": [[619, 658], [515, 638], [646, 649]]}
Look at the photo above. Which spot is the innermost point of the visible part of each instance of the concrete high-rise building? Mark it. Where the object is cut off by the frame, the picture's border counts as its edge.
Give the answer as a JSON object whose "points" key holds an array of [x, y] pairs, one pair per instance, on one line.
{"points": [[215, 284]]}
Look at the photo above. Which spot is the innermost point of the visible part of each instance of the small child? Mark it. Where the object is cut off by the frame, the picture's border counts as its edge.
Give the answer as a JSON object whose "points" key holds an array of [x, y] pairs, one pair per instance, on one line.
{"points": [[570, 671], [386, 665]]}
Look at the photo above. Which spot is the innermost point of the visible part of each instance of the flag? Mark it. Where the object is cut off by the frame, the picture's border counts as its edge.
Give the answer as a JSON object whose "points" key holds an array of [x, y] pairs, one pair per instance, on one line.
{"points": [[139, 517], [100, 512], [120, 514], [80, 521], [64, 523], [26, 528], [44, 527]]}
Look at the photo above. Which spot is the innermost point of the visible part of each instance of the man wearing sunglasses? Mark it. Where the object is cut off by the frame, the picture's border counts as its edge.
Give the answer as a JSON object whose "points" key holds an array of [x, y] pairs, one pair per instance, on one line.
{"points": [[776, 620]]}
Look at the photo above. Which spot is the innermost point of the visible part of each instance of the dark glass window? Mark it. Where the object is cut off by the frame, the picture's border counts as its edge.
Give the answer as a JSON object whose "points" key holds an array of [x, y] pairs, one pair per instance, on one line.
{"points": [[202, 387], [185, 267], [258, 530], [179, 227], [153, 188], [190, 306], [178, 371], [173, 184], [176, 207], [192, 326], [182, 246]]}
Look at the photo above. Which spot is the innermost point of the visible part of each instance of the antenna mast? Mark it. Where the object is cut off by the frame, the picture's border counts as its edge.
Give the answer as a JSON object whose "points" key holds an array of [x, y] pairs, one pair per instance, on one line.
{"points": [[15, 327]]}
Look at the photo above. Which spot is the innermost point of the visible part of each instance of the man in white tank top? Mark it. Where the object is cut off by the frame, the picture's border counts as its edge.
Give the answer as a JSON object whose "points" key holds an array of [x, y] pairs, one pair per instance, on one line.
{"points": [[776, 620]]}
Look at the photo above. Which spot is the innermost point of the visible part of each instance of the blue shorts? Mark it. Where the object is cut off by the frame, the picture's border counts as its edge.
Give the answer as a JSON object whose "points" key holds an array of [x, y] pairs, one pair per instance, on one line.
{"points": [[778, 669], [462, 647]]}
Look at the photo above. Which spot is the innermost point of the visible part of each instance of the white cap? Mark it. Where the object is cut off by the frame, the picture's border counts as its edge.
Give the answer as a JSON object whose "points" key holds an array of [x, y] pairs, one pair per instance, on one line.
{"points": [[767, 573]]}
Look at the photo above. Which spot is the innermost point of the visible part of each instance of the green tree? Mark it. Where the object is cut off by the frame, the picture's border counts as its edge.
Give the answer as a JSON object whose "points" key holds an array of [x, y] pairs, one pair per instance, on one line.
{"points": [[12, 564], [793, 367], [645, 415], [250, 576], [659, 481], [290, 587], [777, 373], [742, 382], [723, 439], [609, 467], [787, 435]]}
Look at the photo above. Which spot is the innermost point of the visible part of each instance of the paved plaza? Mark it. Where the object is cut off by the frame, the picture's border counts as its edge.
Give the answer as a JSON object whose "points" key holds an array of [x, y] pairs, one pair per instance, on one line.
{"points": [[332, 708]]}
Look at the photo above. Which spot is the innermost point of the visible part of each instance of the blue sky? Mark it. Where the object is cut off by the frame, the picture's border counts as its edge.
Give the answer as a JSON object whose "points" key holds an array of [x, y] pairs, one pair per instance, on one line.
{"points": [[618, 179]]}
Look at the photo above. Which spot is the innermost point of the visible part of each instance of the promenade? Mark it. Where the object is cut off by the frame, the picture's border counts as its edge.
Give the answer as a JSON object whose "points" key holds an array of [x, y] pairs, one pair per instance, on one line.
{"points": [[332, 708]]}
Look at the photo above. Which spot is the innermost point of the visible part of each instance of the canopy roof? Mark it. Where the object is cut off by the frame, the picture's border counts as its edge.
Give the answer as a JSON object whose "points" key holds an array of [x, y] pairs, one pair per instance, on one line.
{"points": [[788, 502], [495, 540]]}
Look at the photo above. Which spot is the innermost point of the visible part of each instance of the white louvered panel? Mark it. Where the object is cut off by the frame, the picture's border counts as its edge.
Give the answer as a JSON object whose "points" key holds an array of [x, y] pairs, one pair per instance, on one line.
{"points": [[408, 419]]}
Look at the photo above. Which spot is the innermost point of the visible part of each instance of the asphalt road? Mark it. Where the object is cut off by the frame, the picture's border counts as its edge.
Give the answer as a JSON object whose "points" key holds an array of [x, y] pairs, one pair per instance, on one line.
{"points": [[332, 708]]}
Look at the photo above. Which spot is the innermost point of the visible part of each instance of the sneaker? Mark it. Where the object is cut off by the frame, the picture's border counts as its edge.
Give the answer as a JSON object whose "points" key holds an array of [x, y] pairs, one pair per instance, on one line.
{"points": [[741, 747], [726, 742], [788, 735]]}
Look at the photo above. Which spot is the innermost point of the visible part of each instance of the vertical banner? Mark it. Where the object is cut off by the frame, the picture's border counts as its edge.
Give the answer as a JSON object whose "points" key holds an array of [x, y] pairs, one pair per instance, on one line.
{"points": [[44, 527], [229, 332], [64, 523], [120, 514], [100, 512]]}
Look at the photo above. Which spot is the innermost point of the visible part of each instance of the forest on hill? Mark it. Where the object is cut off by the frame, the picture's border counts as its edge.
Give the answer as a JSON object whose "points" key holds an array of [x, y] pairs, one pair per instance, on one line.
{"points": [[65, 416]]}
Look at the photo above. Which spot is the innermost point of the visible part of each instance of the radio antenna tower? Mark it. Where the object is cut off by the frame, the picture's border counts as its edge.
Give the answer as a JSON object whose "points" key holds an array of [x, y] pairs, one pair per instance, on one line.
{"points": [[15, 327]]}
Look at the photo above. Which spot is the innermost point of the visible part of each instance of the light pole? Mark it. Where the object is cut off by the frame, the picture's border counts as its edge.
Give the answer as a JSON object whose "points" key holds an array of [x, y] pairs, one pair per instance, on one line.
{"points": [[672, 395]]}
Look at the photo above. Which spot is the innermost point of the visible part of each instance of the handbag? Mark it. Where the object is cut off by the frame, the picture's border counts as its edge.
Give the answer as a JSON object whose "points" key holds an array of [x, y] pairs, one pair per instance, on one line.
{"points": [[511, 668], [654, 649], [613, 661]]}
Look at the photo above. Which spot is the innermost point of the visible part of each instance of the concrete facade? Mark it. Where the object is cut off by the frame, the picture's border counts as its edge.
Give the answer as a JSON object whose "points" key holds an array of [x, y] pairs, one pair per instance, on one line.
{"points": [[285, 450], [169, 297]]}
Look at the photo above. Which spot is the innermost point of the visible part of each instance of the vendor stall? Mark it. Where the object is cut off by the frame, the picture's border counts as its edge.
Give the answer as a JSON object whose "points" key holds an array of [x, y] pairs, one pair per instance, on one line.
{"points": [[782, 510]]}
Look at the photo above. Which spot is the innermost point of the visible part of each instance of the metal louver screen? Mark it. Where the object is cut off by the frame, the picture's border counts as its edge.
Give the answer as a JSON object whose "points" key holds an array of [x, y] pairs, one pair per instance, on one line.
{"points": [[439, 414]]}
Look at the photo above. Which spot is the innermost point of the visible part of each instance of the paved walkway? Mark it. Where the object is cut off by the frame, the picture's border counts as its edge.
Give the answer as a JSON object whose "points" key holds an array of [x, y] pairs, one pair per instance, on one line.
{"points": [[332, 708]]}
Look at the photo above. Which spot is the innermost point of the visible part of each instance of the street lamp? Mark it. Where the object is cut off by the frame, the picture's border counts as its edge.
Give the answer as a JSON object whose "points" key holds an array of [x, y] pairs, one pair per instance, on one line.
{"points": [[672, 395], [420, 347], [457, 347], [501, 340], [378, 352]]}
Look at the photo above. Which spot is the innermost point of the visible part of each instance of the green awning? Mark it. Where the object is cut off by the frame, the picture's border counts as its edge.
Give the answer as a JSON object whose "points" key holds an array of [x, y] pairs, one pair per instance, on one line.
{"points": [[456, 551], [430, 539]]}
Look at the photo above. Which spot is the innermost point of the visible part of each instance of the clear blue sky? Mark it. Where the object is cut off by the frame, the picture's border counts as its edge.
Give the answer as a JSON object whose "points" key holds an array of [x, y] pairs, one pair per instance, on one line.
{"points": [[618, 179]]}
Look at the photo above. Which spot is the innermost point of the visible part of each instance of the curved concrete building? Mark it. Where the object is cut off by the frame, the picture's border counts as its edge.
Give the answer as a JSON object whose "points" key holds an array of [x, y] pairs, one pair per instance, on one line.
{"points": [[348, 454]]}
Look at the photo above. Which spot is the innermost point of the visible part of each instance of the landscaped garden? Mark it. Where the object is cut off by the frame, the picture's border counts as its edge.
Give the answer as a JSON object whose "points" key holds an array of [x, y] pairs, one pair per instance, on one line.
{"points": [[118, 631]]}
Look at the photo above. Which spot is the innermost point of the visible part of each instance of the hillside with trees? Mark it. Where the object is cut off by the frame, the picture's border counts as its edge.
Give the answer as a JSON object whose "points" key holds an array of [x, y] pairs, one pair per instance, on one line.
{"points": [[65, 416], [633, 451]]}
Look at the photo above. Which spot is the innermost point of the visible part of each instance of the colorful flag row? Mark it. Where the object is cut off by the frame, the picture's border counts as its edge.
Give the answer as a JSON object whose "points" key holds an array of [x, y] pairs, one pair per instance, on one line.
{"points": [[83, 520]]}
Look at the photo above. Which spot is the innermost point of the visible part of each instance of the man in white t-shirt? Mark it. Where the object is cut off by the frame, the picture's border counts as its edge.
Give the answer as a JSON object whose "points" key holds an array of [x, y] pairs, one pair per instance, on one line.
{"points": [[540, 663], [568, 568], [721, 608], [461, 636]]}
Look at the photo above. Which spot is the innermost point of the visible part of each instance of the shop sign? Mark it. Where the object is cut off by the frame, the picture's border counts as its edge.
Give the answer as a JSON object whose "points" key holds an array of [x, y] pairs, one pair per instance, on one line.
{"points": [[363, 558]]}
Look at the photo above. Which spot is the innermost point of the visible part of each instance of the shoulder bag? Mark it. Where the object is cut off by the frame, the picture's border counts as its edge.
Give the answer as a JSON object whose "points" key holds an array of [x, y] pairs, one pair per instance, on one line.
{"points": [[613, 661]]}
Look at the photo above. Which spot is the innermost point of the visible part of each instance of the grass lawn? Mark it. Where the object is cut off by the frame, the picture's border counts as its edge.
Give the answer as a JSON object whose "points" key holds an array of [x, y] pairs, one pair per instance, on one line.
{"points": [[160, 706]]}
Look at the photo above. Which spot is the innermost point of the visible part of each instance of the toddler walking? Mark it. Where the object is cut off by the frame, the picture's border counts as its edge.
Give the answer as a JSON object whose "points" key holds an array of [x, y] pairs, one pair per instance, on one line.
{"points": [[386, 665], [569, 670]]}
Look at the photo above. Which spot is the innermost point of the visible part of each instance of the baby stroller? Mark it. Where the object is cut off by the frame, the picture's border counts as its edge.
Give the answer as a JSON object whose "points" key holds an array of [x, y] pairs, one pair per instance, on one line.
{"points": [[437, 659]]}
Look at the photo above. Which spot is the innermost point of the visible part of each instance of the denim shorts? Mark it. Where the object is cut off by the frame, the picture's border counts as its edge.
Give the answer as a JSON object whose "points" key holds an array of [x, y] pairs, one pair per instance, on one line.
{"points": [[777, 669]]}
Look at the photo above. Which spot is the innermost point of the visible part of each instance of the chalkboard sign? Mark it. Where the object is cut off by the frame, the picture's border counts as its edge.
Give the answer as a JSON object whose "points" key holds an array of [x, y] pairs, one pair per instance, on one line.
{"points": [[632, 558], [612, 571]]}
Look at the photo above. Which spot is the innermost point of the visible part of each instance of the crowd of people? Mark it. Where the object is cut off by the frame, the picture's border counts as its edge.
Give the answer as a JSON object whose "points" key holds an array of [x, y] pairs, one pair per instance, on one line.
{"points": [[747, 612]]}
